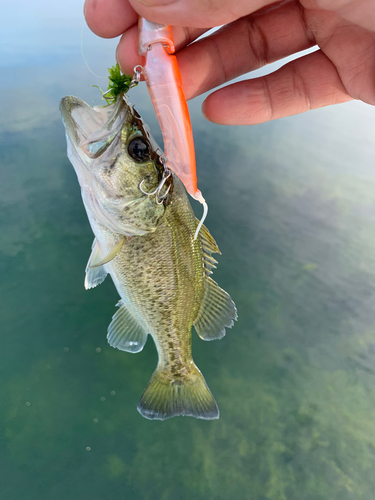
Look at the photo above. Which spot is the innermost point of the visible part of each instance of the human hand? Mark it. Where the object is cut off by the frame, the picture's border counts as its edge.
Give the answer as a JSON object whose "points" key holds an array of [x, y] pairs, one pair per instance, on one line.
{"points": [[254, 34]]}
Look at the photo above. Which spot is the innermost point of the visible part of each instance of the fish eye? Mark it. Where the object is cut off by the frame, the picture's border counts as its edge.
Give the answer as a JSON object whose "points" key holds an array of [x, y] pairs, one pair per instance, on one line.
{"points": [[139, 149]]}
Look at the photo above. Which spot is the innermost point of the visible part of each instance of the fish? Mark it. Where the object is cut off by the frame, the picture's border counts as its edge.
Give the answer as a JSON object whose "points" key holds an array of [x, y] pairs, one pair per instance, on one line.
{"points": [[144, 230]]}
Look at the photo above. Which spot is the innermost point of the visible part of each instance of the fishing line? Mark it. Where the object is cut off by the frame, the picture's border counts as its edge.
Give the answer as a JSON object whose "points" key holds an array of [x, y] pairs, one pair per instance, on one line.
{"points": [[83, 57]]}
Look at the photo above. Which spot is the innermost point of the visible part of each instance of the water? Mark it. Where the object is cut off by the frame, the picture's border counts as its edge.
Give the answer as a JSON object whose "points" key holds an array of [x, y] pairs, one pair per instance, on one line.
{"points": [[292, 206]]}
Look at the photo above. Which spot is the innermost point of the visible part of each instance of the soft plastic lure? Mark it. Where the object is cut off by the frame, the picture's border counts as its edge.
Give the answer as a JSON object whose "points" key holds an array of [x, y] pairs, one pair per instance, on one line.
{"points": [[163, 79]]}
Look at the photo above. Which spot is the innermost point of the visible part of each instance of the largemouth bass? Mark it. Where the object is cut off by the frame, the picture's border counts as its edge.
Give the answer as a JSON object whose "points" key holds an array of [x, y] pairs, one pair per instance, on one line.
{"points": [[144, 238]]}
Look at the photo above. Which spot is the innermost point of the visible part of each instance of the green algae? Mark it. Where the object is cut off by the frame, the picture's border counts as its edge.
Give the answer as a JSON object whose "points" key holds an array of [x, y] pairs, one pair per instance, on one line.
{"points": [[118, 84]]}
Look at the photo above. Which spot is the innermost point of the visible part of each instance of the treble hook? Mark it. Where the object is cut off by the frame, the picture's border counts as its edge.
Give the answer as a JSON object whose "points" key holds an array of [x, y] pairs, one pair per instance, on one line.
{"points": [[166, 174], [145, 192], [159, 199]]}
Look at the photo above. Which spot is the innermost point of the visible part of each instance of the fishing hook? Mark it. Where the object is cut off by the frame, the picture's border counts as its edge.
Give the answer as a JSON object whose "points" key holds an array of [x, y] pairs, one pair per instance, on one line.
{"points": [[166, 174]]}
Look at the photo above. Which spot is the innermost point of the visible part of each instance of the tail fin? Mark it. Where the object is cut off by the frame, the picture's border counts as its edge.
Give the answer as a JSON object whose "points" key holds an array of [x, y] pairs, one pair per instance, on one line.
{"points": [[166, 396]]}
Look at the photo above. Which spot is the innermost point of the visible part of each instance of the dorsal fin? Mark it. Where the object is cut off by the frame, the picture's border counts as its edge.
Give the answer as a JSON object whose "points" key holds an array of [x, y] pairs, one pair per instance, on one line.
{"points": [[209, 246], [95, 275]]}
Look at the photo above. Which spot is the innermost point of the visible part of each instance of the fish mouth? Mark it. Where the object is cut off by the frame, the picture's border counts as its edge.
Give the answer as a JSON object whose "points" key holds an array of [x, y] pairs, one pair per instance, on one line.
{"points": [[91, 130]]}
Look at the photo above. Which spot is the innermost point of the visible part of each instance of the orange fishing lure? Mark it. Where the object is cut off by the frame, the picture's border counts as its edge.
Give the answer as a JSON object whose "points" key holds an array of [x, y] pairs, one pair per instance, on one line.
{"points": [[163, 79]]}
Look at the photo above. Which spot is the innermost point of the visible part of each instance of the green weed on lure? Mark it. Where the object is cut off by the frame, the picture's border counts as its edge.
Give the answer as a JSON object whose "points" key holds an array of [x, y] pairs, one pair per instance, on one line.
{"points": [[119, 83]]}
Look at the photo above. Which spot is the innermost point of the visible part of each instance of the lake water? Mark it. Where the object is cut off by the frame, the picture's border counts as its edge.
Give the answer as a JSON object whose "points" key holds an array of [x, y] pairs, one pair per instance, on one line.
{"points": [[292, 207]]}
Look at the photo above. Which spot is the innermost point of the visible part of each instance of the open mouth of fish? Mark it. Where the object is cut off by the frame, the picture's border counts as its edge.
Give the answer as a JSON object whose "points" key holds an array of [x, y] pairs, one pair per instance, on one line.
{"points": [[92, 129]]}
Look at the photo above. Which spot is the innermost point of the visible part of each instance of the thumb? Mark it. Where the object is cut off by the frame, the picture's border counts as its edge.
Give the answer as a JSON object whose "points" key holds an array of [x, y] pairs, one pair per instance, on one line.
{"points": [[196, 13]]}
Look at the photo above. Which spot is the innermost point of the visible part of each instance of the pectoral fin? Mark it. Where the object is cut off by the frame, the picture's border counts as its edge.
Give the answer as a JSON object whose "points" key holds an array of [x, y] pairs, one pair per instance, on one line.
{"points": [[125, 331], [95, 275], [111, 255], [216, 313]]}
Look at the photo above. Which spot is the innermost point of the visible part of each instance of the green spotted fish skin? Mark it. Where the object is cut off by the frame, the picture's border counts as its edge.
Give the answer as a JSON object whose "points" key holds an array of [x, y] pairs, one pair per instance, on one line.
{"points": [[160, 272]]}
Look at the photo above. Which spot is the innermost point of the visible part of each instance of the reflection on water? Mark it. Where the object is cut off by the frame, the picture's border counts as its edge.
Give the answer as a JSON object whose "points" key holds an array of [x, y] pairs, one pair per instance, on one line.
{"points": [[292, 206]]}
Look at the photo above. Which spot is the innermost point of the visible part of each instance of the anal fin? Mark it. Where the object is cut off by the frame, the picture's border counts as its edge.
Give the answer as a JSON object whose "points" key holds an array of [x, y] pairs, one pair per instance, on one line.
{"points": [[216, 313], [125, 331], [95, 275]]}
